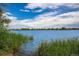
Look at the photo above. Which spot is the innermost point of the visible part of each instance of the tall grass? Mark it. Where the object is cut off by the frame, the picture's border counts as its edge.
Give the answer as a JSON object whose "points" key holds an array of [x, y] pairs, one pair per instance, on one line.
{"points": [[10, 42], [68, 47]]}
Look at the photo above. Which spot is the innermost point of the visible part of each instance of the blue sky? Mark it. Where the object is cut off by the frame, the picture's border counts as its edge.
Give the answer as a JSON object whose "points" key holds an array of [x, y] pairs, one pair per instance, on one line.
{"points": [[33, 12], [15, 10], [16, 7]]}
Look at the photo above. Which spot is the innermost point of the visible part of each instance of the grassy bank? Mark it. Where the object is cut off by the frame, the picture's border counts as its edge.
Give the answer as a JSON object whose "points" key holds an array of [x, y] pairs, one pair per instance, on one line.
{"points": [[10, 43], [69, 47]]}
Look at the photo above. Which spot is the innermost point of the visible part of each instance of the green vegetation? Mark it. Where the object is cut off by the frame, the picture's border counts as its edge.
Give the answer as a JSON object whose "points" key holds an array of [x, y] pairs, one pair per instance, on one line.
{"points": [[68, 47], [63, 28], [10, 42]]}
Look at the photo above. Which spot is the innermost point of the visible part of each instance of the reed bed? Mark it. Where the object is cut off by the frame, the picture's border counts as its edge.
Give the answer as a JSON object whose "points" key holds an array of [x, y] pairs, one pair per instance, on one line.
{"points": [[10, 43], [67, 47]]}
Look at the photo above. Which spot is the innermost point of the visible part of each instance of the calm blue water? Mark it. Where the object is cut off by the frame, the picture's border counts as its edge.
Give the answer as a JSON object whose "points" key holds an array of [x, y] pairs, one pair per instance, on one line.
{"points": [[45, 35]]}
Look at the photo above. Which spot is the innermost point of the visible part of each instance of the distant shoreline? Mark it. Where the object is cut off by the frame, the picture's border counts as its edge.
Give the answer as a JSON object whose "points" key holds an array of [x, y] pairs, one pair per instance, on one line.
{"points": [[48, 29]]}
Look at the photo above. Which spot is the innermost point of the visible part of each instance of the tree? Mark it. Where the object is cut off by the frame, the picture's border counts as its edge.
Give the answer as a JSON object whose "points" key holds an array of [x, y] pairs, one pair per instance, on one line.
{"points": [[3, 22], [9, 42]]}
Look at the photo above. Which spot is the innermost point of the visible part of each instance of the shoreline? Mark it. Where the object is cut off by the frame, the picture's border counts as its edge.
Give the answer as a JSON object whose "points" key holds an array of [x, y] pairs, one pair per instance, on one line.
{"points": [[43, 29]]}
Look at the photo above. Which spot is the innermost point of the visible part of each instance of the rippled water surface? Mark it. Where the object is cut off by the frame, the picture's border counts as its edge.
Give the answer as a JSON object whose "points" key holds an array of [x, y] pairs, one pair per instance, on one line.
{"points": [[45, 35]]}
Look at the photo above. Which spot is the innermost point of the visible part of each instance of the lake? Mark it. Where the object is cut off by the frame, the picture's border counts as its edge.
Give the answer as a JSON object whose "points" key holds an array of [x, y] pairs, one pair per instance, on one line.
{"points": [[45, 35]]}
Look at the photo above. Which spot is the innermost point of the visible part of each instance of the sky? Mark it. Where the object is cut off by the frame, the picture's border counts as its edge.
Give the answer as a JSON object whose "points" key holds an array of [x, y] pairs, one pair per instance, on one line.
{"points": [[42, 15]]}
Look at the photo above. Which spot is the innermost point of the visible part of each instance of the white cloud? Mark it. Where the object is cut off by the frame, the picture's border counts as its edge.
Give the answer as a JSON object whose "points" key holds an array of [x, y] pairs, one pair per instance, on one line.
{"points": [[40, 5], [24, 10], [12, 17], [46, 20], [48, 14], [51, 5], [35, 5], [47, 5], [59, 19], [8, 15], [43, 5], [40, 10]]}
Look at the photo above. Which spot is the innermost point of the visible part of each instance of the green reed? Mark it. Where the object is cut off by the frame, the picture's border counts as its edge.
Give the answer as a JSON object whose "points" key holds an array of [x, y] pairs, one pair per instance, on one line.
{"points": [[67, 47]]}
